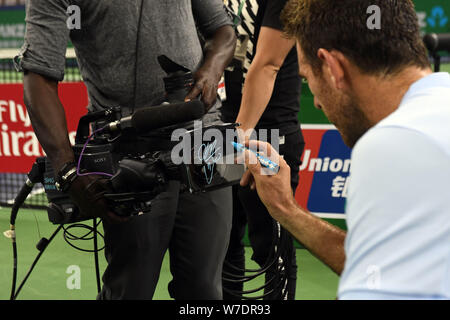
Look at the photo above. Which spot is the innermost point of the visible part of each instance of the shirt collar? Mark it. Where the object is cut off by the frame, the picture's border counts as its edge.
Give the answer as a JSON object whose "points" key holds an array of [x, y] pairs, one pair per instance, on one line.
{"points": [[438, 79]]}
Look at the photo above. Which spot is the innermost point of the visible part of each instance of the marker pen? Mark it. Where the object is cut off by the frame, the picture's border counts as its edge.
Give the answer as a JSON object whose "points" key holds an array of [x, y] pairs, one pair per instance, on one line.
{"points": [[265, 162]]}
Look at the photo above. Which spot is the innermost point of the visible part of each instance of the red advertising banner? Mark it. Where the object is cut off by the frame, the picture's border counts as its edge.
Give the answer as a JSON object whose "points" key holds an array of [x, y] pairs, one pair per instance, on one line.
{"points": [[324, 173], [19, 146]]}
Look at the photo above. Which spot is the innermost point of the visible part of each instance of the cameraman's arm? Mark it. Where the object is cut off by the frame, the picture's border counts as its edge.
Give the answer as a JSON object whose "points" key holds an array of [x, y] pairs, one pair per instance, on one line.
{"points": [[220, 44], [219, 51], [48, 118], [42, 59], [49, 123]]}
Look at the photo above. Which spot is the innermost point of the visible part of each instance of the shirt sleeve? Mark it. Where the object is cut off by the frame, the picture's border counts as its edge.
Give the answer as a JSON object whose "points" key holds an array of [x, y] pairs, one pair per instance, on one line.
{"points": [[210, 15], [272, 14], [46, 38]]}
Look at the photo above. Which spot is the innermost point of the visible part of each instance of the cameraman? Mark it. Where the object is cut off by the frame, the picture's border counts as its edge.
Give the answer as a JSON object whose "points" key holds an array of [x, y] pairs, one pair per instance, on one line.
{"points": [[117, 48], [377, 87], [269, 100]]}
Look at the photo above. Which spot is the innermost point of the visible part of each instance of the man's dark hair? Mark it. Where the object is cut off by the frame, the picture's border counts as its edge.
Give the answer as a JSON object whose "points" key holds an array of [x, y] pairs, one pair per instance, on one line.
{"points": [[342, 25]]}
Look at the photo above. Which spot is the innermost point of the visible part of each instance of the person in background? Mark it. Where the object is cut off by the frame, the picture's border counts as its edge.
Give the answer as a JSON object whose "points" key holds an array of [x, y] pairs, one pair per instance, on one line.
{"points": [[262, 92]]}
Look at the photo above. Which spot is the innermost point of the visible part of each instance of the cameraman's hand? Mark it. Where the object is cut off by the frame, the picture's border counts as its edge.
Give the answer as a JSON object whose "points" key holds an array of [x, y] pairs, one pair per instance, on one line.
{"points": [[219, 49], [88, 194], [206, 84]]}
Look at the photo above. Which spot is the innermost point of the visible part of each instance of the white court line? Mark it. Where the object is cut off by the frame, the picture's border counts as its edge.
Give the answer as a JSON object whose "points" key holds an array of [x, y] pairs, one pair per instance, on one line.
{"points": [[318, 127], [329, 215]]}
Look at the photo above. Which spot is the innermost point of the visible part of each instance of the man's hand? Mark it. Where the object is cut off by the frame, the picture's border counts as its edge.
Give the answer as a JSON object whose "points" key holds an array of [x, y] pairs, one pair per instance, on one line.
{"points": [[219, 50], [206, 84], [321, 238], [274, 190], [88, 194]]}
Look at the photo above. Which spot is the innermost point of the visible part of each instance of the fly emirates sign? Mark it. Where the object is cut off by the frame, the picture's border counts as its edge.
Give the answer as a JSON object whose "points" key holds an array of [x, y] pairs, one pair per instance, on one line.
{"points": [[19, 146]]}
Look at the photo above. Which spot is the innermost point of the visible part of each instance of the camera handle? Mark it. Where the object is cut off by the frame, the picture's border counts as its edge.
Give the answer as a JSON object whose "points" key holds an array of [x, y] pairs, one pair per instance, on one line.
{"points": [[83, 129]]}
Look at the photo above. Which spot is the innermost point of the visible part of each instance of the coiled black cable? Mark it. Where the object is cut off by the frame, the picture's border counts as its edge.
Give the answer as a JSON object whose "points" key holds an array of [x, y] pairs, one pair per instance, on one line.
{"points": [[91, 234], [279, 257], [68, 237]]}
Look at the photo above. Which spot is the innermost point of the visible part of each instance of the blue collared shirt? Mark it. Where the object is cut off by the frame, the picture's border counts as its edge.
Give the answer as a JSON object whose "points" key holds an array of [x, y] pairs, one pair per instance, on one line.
{"points": [[398, 209]]}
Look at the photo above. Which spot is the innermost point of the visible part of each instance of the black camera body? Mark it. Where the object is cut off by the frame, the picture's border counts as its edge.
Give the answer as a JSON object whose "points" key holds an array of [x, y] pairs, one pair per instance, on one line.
{"points": [[134, 182], [138, 160]]}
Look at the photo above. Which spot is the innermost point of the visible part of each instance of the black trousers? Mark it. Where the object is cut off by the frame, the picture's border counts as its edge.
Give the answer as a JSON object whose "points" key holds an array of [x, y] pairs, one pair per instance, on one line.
{"points": [[194, 228], [248, 209]]}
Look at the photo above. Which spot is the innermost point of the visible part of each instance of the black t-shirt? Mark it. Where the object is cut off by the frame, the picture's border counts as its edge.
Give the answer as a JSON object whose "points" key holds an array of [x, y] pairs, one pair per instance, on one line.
{"points": [[282, 110]]}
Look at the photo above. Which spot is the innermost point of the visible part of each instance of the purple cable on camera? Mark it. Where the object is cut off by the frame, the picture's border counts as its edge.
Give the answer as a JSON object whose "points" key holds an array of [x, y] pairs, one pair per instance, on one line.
{"points": [[81, 155]]}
